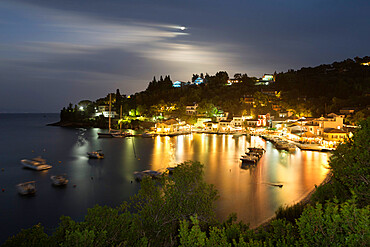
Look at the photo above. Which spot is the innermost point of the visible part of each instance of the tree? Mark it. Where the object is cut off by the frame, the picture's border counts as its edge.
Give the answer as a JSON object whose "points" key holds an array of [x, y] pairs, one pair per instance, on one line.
{"points": [[350, 163], [160, 208], [334, 225]]}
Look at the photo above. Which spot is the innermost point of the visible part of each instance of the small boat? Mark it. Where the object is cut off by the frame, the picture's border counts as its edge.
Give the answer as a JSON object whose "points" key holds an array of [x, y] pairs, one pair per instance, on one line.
{"points": [[276, 185], [310, 147], [105, 135], [96, 154], [257, 150], [147, 135], [251, 156], [27, 188], [59, 180], [37, 164], [248, 159], [119, 134]]}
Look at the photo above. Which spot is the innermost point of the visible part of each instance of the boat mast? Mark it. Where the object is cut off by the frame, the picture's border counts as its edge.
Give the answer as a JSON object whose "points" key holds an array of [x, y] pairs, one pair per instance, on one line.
{"points": [[110, 102], [120, 118]]}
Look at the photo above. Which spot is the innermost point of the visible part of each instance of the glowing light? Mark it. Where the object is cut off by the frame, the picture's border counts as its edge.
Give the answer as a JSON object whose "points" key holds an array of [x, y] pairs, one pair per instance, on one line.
{"points": [[182, 28]]}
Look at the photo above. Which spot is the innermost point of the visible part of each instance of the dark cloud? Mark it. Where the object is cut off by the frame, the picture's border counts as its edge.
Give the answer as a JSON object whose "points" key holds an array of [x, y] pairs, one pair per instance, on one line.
{"points": [[87, 48]]}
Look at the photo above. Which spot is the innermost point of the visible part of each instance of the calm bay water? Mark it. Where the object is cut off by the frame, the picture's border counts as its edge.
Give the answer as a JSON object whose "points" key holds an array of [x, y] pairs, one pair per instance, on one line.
{"points": [[109, 181]]}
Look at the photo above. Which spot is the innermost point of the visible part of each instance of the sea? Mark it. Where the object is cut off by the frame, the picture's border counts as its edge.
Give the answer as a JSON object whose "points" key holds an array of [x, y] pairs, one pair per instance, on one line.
{"points": [[248, 191]]}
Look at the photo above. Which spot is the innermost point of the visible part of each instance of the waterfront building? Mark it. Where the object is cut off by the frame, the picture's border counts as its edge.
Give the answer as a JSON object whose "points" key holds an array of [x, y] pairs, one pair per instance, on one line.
{"points": [[314, 128], [326, 123], [167, 127], [251, 122], [211, 126], [335, 135], [225, 126], [332, 137], [201, 122], [104, 111], [264, 120]]}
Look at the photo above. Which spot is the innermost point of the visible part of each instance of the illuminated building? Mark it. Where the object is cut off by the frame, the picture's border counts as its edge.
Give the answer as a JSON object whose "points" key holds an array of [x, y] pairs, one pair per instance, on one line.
{"points": [[198, 81]]}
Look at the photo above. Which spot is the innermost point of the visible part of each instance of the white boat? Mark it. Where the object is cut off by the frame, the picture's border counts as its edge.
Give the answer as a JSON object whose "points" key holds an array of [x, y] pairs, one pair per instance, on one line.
{"points": [[96, 154], [37, 164], [27, 188], [59, 180]]}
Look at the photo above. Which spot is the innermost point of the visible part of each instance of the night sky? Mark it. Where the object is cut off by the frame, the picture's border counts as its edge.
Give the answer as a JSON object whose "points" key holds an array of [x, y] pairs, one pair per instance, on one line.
{"points": [[53, 52]]}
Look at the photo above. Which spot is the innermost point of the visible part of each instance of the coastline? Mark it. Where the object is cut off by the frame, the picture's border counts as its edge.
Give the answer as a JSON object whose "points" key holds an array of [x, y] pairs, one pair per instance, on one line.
{"points": [[304, 199], [71, 124]]}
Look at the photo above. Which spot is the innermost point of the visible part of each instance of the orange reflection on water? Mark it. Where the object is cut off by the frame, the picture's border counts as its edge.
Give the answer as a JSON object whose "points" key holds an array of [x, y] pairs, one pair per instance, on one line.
{"points": [[246, 190]]}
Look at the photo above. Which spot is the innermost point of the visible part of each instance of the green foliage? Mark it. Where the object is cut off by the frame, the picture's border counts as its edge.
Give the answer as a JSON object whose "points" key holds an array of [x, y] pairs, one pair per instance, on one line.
{"points": [[192, 237], [334, 225], [330, 190], [34, 236], [161, 208], [350, 163], [290, 213]]}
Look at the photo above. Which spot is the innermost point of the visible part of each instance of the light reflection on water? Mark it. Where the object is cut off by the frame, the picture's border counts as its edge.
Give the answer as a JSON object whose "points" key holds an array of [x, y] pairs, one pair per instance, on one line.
{"points": [[248, 191], [110, 181]]}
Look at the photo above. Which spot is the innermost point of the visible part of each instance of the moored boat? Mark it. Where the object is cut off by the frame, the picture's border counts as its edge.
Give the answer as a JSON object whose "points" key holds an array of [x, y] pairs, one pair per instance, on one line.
{"points": [[257, 150], [27, 188], [59, 180], [105, 135], [37, 164], [310, 147], [147, 135], [248, 160], [96, 154]]}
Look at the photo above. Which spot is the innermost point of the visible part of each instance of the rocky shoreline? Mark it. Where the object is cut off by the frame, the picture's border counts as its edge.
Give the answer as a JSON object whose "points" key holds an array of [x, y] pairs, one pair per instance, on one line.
{"points": [[71, 124]]}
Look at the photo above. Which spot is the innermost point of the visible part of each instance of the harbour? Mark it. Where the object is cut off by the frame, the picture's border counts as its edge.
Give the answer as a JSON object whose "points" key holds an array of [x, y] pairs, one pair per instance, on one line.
{"points": [[248, 191]]}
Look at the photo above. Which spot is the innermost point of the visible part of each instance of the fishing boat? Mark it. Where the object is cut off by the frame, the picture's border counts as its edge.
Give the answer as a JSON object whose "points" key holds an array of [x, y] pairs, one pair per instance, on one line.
{"points": [[37, 164], [59, 180], [96, 154], [27, 188]]}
